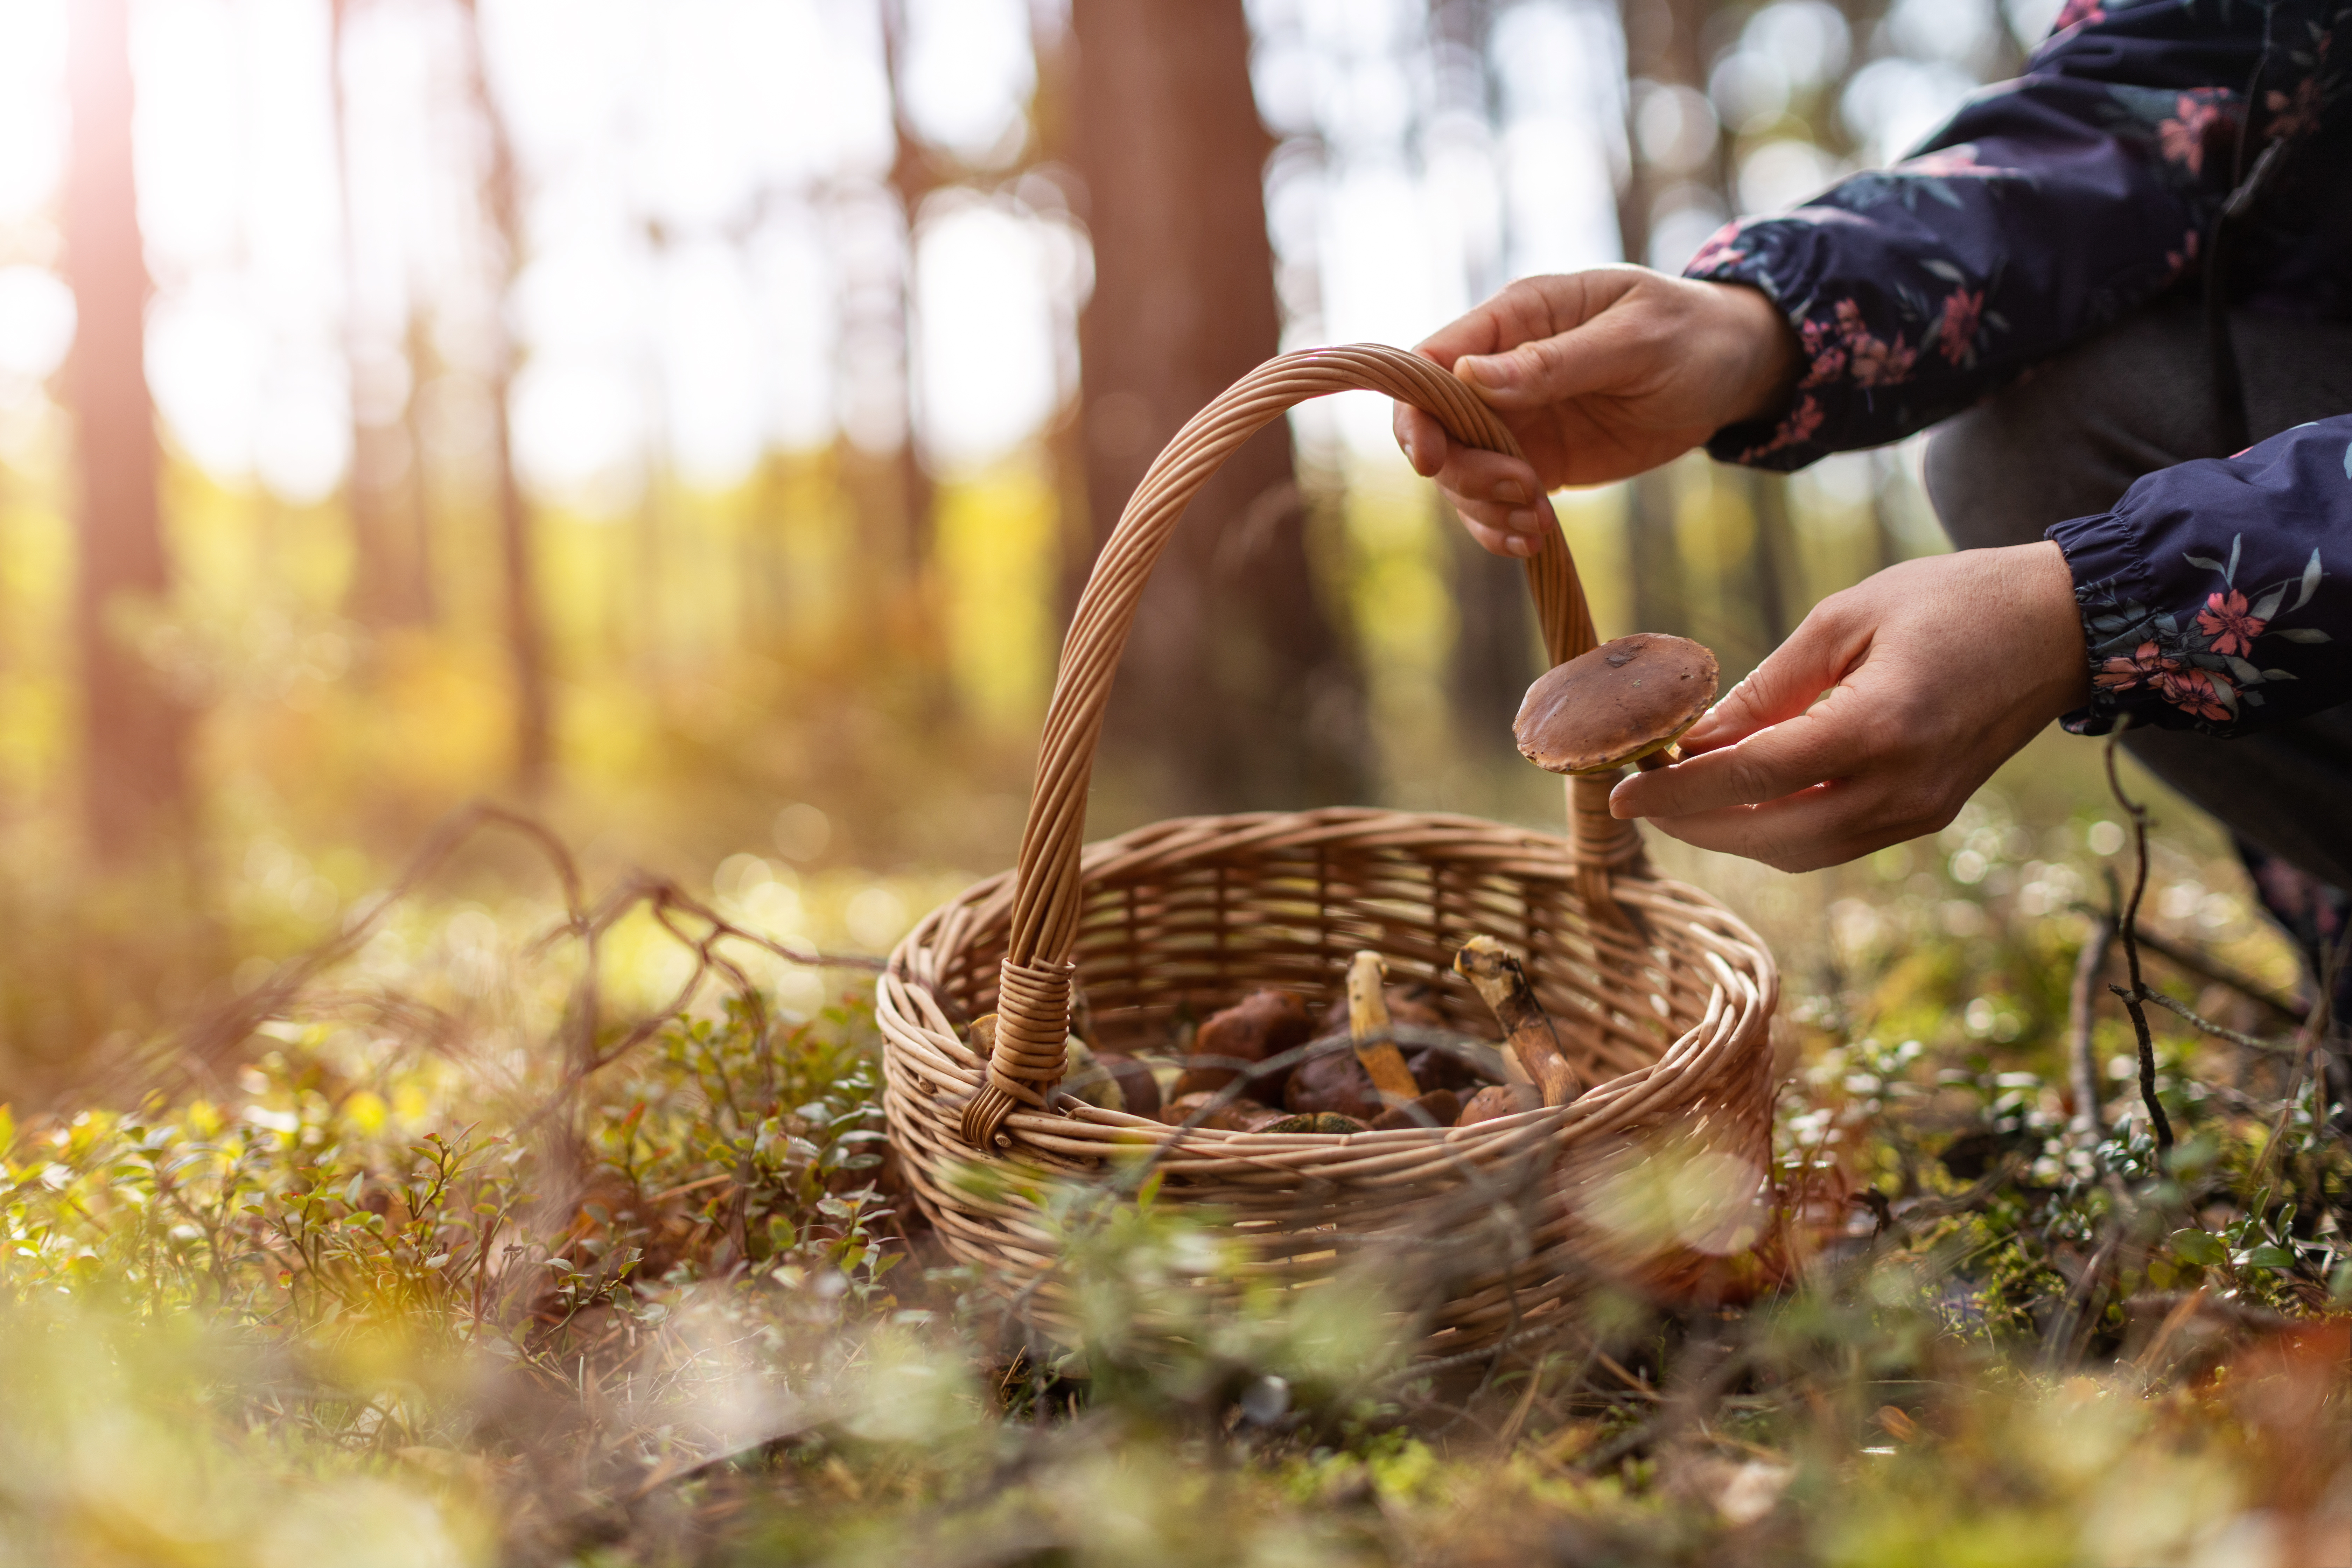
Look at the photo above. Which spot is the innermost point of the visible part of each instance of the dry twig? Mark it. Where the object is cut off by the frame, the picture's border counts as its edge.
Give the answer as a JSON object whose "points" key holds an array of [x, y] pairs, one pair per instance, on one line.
{"points": [[2127, 929]]}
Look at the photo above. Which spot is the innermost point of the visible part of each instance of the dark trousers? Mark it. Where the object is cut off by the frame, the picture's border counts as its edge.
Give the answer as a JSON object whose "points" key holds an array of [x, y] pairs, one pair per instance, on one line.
{"points": [[2071, 439]]}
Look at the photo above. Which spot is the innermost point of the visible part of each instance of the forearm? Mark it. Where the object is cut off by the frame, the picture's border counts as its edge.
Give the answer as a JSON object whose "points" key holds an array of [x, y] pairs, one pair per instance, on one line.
{"points": [[2047, 209], [2214, 596]]}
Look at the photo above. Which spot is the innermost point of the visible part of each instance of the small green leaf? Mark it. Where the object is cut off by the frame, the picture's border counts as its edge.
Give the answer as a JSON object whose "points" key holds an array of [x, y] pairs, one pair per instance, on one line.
{"points": [[2269, 1254], [2198, 1247]]}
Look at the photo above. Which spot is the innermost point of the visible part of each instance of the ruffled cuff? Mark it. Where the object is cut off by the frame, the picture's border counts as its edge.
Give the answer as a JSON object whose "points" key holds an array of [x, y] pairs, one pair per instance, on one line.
{"points": [[1793, 437], [2147, 667], [2111, 590], [1878, 361]]}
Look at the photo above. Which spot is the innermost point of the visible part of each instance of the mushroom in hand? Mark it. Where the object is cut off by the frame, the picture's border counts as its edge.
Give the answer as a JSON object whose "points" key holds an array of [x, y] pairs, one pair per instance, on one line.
{"points": [[1624, 701]]}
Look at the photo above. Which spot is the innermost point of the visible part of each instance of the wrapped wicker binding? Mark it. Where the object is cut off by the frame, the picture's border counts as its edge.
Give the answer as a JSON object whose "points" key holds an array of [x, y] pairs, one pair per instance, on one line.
{"points": [[1661, 994]]}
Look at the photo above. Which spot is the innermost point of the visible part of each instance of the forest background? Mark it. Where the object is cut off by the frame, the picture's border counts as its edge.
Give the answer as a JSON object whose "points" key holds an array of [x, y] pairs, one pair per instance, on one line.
{"points": [[693, 422], [686, 424]]}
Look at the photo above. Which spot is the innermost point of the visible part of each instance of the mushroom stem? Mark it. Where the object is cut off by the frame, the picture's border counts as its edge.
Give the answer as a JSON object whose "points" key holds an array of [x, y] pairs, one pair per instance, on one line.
{"points": [[1502, 982], [1367, 1023]]}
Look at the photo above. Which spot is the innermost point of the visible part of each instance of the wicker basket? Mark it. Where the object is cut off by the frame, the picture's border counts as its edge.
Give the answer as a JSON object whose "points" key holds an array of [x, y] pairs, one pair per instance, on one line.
{"points": [[1667, 995]]}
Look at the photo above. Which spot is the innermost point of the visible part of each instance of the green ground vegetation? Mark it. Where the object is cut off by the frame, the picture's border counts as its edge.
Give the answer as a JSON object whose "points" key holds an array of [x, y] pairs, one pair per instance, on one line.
{"points": [[568, 1231]]}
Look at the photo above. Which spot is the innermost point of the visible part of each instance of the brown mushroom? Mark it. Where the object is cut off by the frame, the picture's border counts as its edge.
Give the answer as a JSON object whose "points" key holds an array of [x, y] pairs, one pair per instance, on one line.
{"points": [[1368, 1031], [1139, 1090], [1262, 1024], [1237, 1116], [1488, 965], [1498, 1100], [1438, 1108], [1410, 1005], [1087, 1078], [1437, 1068], [1624, 701], [1332, 1084], [1325, 1122]]}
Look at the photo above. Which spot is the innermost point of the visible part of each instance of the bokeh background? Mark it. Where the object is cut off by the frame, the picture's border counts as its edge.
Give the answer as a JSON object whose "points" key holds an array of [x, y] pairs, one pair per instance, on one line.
{"points": [[692, 420], [687, 423]]}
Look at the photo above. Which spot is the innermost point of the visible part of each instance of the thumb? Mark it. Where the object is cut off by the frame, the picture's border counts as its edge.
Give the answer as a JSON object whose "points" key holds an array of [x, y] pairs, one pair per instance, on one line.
{"points": [[1551, 370], [1816, 656], [1585, 348]]}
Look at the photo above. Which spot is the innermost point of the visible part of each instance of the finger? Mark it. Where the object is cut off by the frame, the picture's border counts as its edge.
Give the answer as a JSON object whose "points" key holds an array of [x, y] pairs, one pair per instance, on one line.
{"points": [[1499, 540], [1422, 440], [1526, 526], [1549, 370], [1521, 309], [1594, 353], [1827, 825], [1816, 746], [1480, 475], [1530, 309], [1822, 651]]}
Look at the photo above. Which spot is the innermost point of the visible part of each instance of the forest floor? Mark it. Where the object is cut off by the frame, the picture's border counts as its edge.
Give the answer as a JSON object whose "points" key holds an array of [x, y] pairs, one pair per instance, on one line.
{"points": [[496, 1254]]}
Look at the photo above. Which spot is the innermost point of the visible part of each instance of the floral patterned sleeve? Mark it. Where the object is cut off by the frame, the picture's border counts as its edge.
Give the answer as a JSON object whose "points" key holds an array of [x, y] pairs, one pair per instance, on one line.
{"points": [[2046, 208], [2214, 595]]}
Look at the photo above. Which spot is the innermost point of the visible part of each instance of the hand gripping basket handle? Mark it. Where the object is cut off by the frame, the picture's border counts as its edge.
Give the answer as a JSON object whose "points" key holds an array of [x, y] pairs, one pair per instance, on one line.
{"points": [[1034, 994]]}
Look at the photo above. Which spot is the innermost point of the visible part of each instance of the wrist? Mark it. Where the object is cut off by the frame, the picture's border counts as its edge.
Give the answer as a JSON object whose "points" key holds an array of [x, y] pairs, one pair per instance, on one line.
{"points": [[1764, 352], [2044, 588]]}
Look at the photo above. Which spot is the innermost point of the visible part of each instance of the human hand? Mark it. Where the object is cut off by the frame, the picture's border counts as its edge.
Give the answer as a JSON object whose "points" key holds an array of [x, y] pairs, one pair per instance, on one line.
{"points": [[1936, 672], [1599, 374]]}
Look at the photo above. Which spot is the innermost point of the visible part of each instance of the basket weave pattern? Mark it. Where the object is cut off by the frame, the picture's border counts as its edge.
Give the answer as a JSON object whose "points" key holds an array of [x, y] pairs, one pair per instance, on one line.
{"points": [[1662, 997]]}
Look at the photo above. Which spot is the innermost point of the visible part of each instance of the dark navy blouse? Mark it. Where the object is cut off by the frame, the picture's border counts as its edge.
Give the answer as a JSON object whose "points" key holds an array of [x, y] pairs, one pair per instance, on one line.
{"points": [[2215, 595]]}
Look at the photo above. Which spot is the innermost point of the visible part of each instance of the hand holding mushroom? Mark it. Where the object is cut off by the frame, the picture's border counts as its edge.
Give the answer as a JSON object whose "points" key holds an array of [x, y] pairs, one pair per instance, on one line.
{"points": [[1918, 711]]}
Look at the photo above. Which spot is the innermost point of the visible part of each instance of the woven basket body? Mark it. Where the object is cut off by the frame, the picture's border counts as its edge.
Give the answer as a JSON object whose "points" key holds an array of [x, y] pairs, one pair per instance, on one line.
{"points": [[1660, 996]]}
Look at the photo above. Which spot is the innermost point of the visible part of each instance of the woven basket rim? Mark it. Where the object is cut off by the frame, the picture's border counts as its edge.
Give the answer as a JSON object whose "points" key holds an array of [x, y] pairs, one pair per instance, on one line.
{"points": [[985, 904]]}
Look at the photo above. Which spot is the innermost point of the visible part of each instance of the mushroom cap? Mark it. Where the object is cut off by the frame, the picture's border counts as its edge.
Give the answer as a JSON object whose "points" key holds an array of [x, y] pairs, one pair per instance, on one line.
{"points": [[1623, 699]]}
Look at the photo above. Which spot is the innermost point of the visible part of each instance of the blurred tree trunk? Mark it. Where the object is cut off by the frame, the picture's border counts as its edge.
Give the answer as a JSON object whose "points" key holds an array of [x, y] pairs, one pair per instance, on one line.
{"points": [[387, 584], [421, 366], [1661, 44], [1765, 595], [1495, 653], [135, 735], [1236, 690], [916, 621], [914, 176], [526, 635]]}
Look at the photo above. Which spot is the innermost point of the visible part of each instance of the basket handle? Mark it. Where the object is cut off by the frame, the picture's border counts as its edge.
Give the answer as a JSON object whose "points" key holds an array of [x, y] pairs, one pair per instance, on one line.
{"points": [[1033, 993]]}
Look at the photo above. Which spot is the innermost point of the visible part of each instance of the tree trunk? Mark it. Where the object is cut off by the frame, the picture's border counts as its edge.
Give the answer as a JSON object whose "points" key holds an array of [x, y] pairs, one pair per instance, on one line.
{"points": [[135, 735], [418, 345], [388, 583], [1661, 43], [916, 619], [1495, 653], [1235, 691], [526, 635]]}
